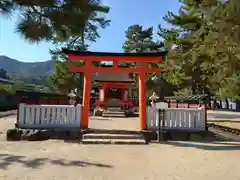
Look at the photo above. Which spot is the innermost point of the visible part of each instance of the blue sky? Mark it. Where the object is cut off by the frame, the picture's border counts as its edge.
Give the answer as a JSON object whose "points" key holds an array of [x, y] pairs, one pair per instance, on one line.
{"points": [[123, 13]]}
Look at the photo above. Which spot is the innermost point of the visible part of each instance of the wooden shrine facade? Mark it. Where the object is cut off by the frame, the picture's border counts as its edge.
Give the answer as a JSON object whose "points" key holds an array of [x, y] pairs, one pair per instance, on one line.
{"points": [[141, 59], [114, 89]]}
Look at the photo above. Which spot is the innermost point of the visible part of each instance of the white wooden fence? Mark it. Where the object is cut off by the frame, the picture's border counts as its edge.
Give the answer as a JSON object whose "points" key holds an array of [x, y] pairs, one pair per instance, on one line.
{"points": [[49, 116], [184, 119]]}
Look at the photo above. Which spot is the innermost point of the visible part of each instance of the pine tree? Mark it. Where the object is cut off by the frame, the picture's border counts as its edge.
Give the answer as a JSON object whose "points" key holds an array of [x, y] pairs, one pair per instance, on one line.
{"points": [[63, 80], [6, 8], [141, 40], [53, 20], [183, 42], [222, 44]]}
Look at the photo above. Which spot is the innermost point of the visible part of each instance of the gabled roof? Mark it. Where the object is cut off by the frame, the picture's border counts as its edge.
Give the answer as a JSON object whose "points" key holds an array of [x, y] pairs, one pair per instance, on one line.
{"points": [[38, 94], [186, 98], [113, 77]]}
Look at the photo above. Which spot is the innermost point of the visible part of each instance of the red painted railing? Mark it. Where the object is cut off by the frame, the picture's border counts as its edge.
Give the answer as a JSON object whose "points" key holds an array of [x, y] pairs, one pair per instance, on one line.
{"points": [[185, 105]]}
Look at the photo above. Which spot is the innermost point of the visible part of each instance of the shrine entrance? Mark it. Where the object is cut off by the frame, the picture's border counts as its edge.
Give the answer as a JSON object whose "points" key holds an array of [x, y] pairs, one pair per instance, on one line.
{"points": [[114, 93], [141, 59]]}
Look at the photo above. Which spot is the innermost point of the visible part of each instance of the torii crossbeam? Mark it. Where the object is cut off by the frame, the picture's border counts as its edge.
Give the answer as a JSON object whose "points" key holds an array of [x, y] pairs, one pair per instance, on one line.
{"points": [[141, 59]]}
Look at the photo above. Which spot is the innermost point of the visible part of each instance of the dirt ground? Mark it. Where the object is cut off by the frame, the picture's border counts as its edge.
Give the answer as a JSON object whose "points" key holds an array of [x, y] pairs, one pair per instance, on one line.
{"points": [[53, 159], [225, 118]]}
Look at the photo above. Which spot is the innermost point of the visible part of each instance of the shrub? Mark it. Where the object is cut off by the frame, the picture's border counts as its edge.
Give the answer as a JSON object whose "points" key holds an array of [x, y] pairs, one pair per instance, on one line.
{"points": [[98, 112]]}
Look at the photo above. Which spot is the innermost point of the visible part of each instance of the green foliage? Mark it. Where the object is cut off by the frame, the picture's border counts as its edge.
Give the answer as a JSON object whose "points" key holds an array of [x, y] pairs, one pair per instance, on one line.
{"points": [[183, 92], [3, 74], [98, 112], [231, 88], [205, 38], [203, 49], [6, 88], [182, 57], [21, 83], [142, 40], [54, 21], [70, 24], [62, 79], [6, 8]]}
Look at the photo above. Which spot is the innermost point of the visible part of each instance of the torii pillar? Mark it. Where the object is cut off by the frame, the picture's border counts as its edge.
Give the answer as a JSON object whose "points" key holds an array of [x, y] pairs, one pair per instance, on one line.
{"points": [[142, 97], [86, 95]]}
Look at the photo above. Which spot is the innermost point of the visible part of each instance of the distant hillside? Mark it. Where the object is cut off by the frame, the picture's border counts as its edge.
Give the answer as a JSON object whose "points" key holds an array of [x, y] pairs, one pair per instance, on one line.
{"points": [[17, 68]]}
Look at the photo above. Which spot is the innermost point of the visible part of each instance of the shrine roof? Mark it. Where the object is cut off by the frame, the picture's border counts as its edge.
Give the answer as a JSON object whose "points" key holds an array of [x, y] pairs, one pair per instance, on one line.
{"points": [[187, 98], [113, 77], [90, 53]]}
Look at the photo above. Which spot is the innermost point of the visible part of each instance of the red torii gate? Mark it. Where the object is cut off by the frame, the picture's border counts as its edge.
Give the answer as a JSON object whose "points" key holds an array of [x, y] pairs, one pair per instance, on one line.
{"points": [[89, 57]]}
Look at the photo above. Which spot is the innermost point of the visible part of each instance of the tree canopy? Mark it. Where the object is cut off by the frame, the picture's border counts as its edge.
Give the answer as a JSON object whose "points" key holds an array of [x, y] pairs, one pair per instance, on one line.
{"points": [[62, 79], [56, 21], [202, 45], [205, 44], [141, 40]]}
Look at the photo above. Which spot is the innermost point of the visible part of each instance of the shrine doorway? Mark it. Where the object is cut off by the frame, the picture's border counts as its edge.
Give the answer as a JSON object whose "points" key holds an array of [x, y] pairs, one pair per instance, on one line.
{"points": [[142, 60], [114, 93]]}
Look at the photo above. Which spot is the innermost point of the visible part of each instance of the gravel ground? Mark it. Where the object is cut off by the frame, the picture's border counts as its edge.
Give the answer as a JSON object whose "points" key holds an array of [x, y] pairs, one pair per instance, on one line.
{"points": [[7, 113], [225, 118], [230, 124], [53, 159]]}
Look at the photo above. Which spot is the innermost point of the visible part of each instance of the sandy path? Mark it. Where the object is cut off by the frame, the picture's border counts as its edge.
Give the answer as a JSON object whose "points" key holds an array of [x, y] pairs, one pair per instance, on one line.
{"points": [[225, 118], [60, 160]]}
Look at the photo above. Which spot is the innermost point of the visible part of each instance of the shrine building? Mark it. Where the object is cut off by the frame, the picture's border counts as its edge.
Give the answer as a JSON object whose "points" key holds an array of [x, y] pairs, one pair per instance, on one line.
{"points": [[114, 89]]}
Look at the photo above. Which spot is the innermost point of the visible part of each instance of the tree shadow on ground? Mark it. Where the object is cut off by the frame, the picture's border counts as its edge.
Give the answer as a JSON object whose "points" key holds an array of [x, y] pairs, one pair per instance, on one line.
{"points": [[213, 146], [8, 159], [133, 115]]}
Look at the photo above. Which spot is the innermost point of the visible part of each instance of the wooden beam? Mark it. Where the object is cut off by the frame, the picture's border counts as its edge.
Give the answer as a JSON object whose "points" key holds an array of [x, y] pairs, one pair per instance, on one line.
{"points": [[111, 69], [115, 83], [115, 64], [116, 86], [157, 59]]}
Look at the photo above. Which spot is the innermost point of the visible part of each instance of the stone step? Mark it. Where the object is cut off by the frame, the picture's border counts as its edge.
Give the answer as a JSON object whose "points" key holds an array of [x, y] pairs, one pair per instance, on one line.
{"points": [[114, 112], [113, 136], [114, 141], [114, 115], [114, 109]]}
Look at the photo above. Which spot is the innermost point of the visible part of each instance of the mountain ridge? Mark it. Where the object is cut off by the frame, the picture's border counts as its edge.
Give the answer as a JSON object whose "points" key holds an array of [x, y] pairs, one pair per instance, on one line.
{"points": [[16, 68]]}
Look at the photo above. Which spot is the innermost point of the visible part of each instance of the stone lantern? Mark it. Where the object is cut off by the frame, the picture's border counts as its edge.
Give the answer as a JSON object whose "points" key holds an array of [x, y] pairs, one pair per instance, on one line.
{"points": [[72, 98], [153, 98]]}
